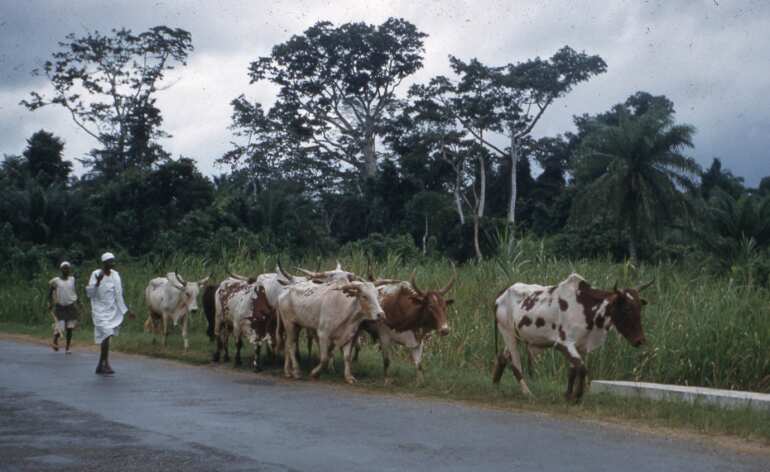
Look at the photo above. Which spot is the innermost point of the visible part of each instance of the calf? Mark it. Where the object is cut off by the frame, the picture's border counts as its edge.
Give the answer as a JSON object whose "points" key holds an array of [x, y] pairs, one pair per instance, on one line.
{"points": [[334, 310], [572, 317]]}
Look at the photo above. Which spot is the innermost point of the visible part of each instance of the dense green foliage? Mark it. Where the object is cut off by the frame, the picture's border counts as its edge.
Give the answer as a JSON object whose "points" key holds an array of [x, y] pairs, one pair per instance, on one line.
{"points": [[347, 159]]}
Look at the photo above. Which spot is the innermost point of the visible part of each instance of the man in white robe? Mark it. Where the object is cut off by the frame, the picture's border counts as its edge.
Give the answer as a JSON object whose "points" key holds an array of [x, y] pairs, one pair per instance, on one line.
{"points": [[105, 289]]}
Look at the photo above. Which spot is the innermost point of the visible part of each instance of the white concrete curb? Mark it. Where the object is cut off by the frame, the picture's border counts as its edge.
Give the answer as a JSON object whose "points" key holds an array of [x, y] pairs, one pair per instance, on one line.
{"points": [[730, 399]]}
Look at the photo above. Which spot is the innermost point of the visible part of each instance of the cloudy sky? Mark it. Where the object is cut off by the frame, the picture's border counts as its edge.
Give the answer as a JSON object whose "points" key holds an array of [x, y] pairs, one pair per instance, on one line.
{"points": [[711, 57]]}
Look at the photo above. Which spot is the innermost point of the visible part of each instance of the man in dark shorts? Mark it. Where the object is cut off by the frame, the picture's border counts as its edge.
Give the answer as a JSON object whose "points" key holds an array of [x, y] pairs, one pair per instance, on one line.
{"points": [[64, 304]]}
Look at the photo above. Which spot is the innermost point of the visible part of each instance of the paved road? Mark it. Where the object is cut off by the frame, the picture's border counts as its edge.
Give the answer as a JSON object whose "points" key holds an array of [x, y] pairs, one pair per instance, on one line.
{"points": [[55, 414]]}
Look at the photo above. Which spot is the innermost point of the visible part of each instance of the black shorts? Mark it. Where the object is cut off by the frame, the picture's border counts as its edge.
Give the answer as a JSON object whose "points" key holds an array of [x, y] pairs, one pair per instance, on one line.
{"points": [[66, 312]]}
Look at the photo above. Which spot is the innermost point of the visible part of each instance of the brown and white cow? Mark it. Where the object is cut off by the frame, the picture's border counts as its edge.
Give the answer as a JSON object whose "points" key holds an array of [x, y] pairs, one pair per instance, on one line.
{"points": [[411, 315], [242, 310], [334, 311], [171, 299], [572, 317]]}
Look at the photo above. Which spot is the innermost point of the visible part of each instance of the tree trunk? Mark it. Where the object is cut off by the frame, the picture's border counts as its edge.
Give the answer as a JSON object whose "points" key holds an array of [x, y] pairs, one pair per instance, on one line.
{"points": [[458, 200], [425, 238], [476, 247], [482, 185], [514, 177], [370, 156]]}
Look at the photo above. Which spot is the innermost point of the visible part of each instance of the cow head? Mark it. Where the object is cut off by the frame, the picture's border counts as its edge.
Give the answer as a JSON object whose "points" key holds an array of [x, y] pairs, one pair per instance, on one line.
{"points": [[625, 310], [366, 295], [433, 303], [262, 313], [337, 274], [189, 290]]}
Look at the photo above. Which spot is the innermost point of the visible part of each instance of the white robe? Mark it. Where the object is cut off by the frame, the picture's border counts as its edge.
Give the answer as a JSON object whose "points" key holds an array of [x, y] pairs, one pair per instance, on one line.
{"points": [[107, 304]]}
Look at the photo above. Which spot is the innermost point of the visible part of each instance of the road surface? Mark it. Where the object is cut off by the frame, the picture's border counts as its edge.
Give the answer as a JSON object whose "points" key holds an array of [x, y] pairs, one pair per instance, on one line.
{"points": [[55, 414]]}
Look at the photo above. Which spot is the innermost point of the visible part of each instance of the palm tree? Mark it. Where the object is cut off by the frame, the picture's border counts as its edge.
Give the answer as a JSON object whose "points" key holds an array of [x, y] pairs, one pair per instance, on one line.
{"points": [[730, 222], [634, 170]]}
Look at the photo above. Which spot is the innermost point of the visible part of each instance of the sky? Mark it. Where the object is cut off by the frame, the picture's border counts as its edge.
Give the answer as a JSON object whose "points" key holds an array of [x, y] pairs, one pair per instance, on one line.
{"points": [[710, 57]]}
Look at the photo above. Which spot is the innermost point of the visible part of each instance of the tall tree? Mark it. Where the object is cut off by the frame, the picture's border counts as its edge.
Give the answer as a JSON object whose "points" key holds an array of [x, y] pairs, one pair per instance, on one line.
{"points": [[635, 171], [511, 99], [336, 84], [44, 160], [108, 83]]}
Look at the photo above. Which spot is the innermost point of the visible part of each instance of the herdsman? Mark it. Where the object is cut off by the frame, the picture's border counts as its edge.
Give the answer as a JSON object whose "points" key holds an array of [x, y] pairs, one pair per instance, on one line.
{"points": [[63, 303], [105, 289]]}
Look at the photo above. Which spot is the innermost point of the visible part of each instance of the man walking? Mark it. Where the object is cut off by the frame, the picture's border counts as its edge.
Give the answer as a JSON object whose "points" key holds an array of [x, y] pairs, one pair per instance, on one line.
{"points": [[62, 299], [105, 289]]}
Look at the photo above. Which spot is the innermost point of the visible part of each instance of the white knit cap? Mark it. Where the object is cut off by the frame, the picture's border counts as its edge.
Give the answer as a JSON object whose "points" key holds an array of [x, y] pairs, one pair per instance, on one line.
{"points": [[65, 264], [107, 256]]}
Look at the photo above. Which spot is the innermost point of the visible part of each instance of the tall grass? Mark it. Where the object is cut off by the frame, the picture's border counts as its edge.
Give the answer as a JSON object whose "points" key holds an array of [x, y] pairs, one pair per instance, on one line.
{"points": [[701, 329]]}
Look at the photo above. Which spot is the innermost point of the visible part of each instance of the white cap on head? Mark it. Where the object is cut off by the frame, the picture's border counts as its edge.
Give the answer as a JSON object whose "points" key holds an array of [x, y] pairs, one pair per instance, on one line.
{"points": [[64, 264], [107, 256]]}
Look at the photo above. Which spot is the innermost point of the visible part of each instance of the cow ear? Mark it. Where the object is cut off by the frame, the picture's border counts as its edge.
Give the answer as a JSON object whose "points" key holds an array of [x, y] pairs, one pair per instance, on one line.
{"points": [[450, 301], [416, 299]]}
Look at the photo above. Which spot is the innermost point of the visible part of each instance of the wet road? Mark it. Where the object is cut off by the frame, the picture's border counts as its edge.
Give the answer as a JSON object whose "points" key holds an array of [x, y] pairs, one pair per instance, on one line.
{"points": [[55, 414]]}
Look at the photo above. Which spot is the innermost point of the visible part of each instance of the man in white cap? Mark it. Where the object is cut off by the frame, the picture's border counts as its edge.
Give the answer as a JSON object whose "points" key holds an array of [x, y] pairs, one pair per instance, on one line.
{"points": [[105, 290], [62, 301]]}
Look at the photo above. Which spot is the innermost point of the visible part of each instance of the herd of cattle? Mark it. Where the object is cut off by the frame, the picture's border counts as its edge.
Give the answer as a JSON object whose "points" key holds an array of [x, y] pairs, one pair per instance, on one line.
{"points": [[336, 307]]}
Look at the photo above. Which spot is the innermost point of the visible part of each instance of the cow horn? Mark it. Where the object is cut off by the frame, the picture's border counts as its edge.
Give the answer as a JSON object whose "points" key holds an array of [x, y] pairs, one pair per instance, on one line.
{"points": [[312, 275], [414, 283], [444, 290], [339, 266], [205, 279], [350, 290], [380, 282], [236, 276], [179, 278], [288, 276], [644, 286]]}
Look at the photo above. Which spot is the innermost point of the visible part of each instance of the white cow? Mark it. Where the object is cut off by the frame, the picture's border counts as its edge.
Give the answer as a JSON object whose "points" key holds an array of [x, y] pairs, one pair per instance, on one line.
{"points": [[242, 309], [171, 298], [334, 310], [572, 317], [276, 283]]}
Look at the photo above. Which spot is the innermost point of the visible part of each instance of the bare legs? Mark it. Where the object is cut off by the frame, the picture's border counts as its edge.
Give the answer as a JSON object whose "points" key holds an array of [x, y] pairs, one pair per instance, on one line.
{"points": [[104, 359]]}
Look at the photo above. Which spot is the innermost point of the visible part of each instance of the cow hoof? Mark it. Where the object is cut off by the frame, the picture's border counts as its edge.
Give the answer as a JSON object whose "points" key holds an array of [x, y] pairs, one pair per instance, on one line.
{"points": [[296, 376], [215, 357], [226, 358], [388, 381], [351, 380]]}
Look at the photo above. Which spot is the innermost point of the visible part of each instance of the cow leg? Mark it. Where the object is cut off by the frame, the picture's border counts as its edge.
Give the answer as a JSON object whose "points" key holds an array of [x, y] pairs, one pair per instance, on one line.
{"points": [[290, 362], [257, 363], [165, 331], [512, 349], [577, 371], [215, 356], [238, 346], [184, 333], [533, 353], [323, 350], [501, 362], [347, 354], [226, 342], [417, 359], [385, 343]]}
